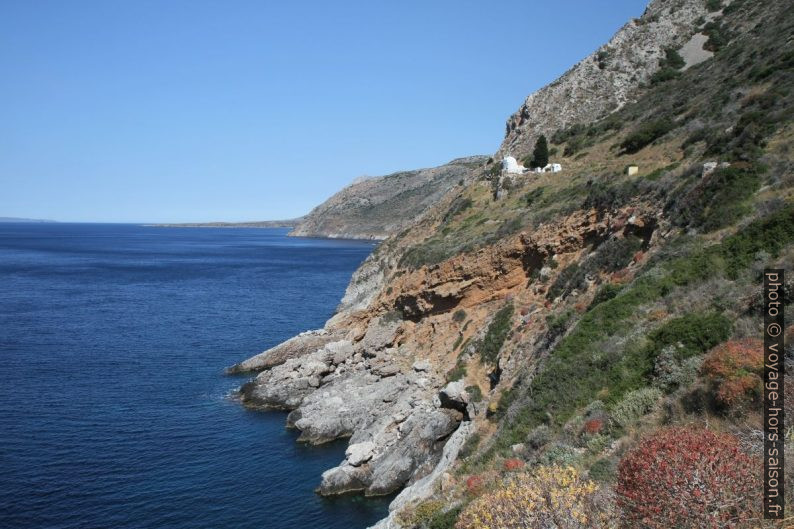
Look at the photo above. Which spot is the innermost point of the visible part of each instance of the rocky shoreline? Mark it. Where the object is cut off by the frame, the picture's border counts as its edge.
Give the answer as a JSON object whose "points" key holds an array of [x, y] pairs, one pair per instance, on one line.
{"points": [[397, 422]]}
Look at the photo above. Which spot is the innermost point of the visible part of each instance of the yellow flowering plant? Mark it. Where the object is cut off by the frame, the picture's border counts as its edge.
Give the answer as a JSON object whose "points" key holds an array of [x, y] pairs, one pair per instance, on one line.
{"points": [[551, 496]]}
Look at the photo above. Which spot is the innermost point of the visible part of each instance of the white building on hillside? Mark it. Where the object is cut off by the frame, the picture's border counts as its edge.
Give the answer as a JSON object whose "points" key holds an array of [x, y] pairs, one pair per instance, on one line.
{"points": [[550, 168], [511, 166]]}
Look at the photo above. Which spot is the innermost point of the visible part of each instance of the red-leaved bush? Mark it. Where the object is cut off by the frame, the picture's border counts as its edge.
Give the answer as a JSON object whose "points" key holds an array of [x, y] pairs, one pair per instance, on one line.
{"points": [[689, 478], [513, 464], [593, 425], [474, 484], [735, 369]]}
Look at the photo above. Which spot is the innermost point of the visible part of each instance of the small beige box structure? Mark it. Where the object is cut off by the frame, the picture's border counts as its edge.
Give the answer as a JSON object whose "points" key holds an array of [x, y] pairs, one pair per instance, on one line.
{"points": [[632, 170]]}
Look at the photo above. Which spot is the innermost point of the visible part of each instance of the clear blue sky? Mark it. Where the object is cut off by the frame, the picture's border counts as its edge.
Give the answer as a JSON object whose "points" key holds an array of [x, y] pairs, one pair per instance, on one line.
{"points": [[143, 111]]}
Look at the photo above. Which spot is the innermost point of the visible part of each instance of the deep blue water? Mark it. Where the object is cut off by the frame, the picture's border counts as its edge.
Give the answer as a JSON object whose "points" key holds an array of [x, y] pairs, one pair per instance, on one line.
{"points": [[114, 411]]}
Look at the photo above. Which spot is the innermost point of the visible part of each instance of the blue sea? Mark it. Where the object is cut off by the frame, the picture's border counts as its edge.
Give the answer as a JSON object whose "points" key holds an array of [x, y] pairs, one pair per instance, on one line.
{"points": [[114, 409]]}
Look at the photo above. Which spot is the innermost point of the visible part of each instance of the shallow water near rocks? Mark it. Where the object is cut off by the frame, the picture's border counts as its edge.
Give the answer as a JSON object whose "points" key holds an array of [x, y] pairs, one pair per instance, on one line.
{"points": [[114, 411]]}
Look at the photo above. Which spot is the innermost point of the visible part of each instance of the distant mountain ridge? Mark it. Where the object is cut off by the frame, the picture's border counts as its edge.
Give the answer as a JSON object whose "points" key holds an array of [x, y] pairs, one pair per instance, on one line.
{"points": [[22, 219], [377, 207], [290, 223]]}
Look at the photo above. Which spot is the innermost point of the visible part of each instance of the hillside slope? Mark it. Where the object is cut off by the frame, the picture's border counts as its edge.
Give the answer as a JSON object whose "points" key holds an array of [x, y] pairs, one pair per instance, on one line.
{"points": [[528, 323], [377, 207]]}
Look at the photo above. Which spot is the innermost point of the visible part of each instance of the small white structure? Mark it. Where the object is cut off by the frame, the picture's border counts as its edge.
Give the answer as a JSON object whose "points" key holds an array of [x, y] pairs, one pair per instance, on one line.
{"points": [[511, 166], [709, 167], [631, 170]]}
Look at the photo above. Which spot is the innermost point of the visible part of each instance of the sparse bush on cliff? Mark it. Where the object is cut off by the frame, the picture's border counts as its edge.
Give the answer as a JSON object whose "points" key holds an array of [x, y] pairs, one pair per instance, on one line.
{"points": [[671, 373], [605, 293], [539, 437], [720, 199], [669, 67], [634, 405], [611, 256], [557, 323], [495, 336], [580, 136], [457, 372], [444, 519], [689, 477], [549, 497], [475, 393], [531, 196], [458, 206], [717, 34], [735, 370], [646, 134], [560, 454], [430, 514]]}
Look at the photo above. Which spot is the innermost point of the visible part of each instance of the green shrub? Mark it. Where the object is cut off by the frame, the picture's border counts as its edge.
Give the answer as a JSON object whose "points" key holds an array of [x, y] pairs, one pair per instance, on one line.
{"points": [[611, 256], [596, 443], [579, 136], [601, 59], [533, 196], [671, 373], [698, 135], [539, 437], [421, 515], [718, 36], [459, 316], [458, 206], [673, 59], [605, 293], [665, 74], [566, 280], [690, 335], [560, 454], [634, 405], [713, 5], [505, 401], [475, 393], [603, 470], [496, 334], [645, 135], [457, 372], [668, 67], [558, 323], [445, 519]]}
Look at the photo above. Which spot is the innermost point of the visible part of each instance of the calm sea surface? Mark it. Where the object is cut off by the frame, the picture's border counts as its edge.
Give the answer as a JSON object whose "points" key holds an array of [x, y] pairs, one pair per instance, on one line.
{"points": [[114, 411]]}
